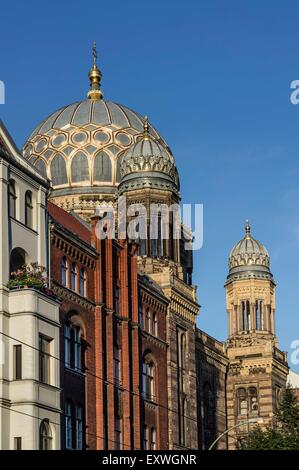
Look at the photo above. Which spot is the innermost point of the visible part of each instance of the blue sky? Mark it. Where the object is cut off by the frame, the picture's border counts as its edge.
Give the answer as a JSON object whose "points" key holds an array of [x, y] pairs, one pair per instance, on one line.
{"points": [[214, 78]]}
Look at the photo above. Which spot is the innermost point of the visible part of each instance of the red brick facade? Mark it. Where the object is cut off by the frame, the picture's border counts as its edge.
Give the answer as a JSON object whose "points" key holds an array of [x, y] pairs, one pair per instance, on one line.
{"points": [[105, 341], [152, 320]]}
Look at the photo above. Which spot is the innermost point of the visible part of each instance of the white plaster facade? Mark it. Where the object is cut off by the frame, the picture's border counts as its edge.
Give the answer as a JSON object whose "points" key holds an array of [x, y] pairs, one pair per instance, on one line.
{"points": [[25, 314]]}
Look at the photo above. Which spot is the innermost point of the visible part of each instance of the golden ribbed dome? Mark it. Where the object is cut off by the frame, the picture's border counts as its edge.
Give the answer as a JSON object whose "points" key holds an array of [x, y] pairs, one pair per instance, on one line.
{"points": [[80, 144], [79, 147]]}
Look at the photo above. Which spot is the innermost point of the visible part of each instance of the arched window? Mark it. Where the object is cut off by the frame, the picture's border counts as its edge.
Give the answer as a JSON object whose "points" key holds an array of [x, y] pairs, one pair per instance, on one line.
{"points": [[246, 321], [242, 402], [12, 198], [82, 282], [157, 235], [79, 168], [148, 380], [45, 435], [253, 401], [155, 324], [64, 271], [141, 241], [58, 170], [102, 170], [79, 427], [148, 328], [67, 345], [78, 348], [28, 209], [153, 439], [41, 167], [73, 354], [68, 424], [17, 260], [278, 394], [74, 275], [183, 351], [145, 438], [140, 312], [259, 315]]}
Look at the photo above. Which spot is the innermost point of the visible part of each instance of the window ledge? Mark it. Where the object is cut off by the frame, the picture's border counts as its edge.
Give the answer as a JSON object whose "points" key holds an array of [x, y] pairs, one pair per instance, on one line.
{"points": [[23, 225], [75, 371]]}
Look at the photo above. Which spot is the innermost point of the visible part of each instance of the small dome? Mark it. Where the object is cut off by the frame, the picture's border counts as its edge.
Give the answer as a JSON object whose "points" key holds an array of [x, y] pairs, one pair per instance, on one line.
{"points": [[148, 163], [249, 259]]}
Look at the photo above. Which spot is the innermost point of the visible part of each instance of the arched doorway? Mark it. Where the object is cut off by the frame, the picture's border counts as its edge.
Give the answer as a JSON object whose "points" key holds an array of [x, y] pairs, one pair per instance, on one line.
{"points": [[18, 259]]}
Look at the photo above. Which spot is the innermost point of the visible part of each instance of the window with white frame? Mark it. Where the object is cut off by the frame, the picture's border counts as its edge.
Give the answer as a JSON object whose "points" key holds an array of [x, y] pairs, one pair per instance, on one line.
{"points": [[73, 350], [148, 380]]}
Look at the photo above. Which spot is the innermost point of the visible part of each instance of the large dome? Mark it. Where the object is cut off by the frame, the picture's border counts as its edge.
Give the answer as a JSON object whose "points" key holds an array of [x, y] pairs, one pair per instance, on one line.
{"points": [[249, 258], [79, 147], [80, 144]]}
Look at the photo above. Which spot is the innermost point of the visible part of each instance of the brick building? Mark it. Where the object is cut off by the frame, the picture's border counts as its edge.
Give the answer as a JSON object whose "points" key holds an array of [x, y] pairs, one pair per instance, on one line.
{"points": [[154, 405], [137, 373], [112, 341]]}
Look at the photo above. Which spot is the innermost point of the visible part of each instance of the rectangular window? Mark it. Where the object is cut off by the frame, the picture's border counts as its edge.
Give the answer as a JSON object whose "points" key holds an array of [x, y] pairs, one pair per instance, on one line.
{"points": [[79, 427], [17, 351], [44, 359], [67, 345], [148, 321], [148, 384], [116, 298], [259, 315], [246, 320], [145, 438], [140, 313], [153, 439], [116, 365], [77, 349], [118, 433], [155, 324], [17, 443]]}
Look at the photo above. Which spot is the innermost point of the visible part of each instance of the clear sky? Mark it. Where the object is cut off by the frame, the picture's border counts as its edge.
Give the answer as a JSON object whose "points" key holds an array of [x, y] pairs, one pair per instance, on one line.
{"points": [[214, 78]]}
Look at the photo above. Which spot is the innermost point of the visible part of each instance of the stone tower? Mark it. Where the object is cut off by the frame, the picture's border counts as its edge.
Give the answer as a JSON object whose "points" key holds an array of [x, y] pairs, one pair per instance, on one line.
{"points": [[149, 182], [95, 150], [257, 369]]}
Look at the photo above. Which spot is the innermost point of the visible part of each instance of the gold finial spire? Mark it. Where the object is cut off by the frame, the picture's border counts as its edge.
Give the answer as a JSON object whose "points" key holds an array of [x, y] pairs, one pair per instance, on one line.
{"points": [[94, 53], [247, 230], [95, 76], [145, 128]]}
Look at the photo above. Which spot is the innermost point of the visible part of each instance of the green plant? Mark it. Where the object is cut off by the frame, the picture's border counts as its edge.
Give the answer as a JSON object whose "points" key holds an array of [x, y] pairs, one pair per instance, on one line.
{"points": [[283, 434], [31, 275]]}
